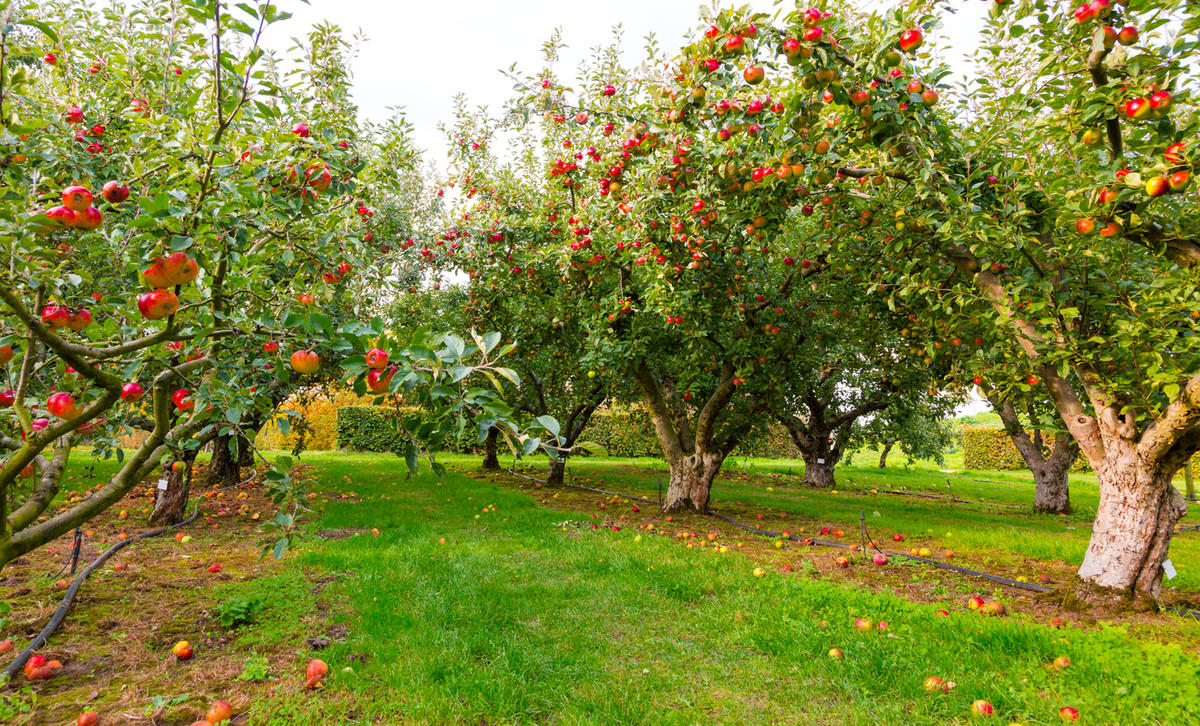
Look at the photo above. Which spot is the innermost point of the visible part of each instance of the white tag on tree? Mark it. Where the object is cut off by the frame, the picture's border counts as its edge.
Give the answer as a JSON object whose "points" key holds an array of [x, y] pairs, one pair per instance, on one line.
{"points": [[162, 484], [820, 461], [1169, 570]]}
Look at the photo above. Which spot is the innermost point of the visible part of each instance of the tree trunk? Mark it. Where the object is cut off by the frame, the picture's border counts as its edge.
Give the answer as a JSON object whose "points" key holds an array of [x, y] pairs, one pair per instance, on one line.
{"points": [[225, 468], [1138, 510], [1051, 490], [690, 480], [818, 472], [170, 504], [1187, 481], [491, 461], [883, 455], [554, 476]]}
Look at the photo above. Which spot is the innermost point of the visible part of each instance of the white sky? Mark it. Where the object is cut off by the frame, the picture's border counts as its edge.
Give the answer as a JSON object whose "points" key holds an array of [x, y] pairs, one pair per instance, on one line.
{"points": [[420, 54]]}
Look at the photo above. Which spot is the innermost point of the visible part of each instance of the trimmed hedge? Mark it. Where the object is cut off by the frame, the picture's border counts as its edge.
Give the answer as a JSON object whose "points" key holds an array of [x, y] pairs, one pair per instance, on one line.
{"points": [[991, 448], [373, 428], [321, 413], [628, 432]]}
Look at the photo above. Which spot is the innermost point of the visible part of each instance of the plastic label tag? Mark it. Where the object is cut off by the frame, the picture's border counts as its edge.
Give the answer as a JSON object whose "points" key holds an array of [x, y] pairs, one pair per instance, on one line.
{"points": [[1169, 570], [820, 461], [162, 484]]}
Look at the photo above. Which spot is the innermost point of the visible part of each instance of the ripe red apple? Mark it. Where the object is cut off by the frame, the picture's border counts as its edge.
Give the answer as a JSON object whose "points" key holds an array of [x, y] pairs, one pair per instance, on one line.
{"points": [[1085, 225], [378, 381], [6, 354], [791, 47], [929, 97], [157, 304], [1160, 102], [305, 361], [880, 559], [318, 177], [1062, 661], [182, 650], [88, 718], [76, 198], [62, 405], [734, 44], [1157, 186], [114, 192], [89, 218], [1067, 713], [1127, 35], [1138, 108], [835, 653], [132, 391], [376, 358], [1174, 153], [975, 602], [897, 537], [270, 346], [983, 708], [182, 398], [155, 275], [218, 712], [812, 35], [1032, 380], [301, 130], [910, 40], [316, 668], [61, 216], [1179, 181], [754, 74], [863, 624], [841, 562], [7, 398], [79, 319], [1110, 36], [933, 684], [179, 268], [55, 316]]}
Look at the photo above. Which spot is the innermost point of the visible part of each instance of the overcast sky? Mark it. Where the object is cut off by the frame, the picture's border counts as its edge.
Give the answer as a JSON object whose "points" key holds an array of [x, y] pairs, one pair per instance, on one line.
{"points": [[420, 54]]}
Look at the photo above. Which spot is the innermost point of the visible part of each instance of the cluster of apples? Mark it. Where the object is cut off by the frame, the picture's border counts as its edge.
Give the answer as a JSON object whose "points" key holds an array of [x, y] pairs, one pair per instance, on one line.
{"points": [[37, 668], [76, 209], [332, 278], [378, 379], [979, 605], [59, 317], [175, 269]]}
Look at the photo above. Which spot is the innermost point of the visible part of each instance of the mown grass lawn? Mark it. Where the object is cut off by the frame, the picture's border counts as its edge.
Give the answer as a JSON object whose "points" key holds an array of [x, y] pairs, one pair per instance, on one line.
{"points": [[516, 619]]}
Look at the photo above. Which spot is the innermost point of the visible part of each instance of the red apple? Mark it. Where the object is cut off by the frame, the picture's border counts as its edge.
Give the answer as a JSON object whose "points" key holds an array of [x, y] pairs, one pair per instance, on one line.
{"points": [[301, 130], [1127, 35], [863, 624], [1062, 661], [114, 192], [218, 712], [933, 684], [897, 538], [1138, 108], [975, 602], [835, 653], [89, 218], [88, 718], [55, 316], [179, 268], [61, 216], [754, 74], [1160, 102], [132, 392], [1179, 181], [910, 40], [182, 398], [182, 650], [1157, 186], [155, 275], [62, 405], [1066, 713], [157, 304], [305, 361], [316, 668], [929, 97], [1085, 226], [318, 177], [376, 358], [6, 354], [983, 708], [378, 381], [76, 198], [1174, 153], [880, 559], [270, 347]]}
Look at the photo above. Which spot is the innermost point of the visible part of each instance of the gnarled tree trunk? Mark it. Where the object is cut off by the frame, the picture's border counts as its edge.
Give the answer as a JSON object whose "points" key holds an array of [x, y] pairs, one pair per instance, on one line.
{"points": [[1132, 532], [883, 455], [225, 468], [491, 461], [1051, 490], [689, 481]]}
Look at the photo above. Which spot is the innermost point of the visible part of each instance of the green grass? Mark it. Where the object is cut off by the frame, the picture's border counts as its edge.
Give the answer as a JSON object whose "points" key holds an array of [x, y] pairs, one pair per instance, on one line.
{"points": [[964, 528], [517, 620]]}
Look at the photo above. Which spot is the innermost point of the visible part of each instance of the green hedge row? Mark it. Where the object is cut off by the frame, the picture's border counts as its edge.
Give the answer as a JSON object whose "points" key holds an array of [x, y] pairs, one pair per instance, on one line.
{"points": [[373, 428], [622, 432], [991, 448]]}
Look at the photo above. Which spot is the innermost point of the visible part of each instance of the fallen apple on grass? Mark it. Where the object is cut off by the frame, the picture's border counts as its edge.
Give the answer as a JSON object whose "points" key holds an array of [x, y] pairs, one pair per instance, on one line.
{"points": [[218, 712], [182, 650], [983, 709], [835, 653], [315, 672], [863, 624]]}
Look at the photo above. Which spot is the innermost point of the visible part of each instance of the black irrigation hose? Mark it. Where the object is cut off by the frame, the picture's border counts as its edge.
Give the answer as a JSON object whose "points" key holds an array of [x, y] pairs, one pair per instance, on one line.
{"points": [[953, 500], [61, 613]]}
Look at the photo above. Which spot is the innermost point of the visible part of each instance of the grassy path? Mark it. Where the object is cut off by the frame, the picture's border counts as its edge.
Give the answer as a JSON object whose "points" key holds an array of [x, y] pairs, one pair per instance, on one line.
{"points": [[515, 619]]}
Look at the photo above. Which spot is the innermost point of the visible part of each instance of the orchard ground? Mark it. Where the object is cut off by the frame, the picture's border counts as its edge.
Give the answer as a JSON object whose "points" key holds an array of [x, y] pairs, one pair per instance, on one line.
{"points": [[534, 609]]}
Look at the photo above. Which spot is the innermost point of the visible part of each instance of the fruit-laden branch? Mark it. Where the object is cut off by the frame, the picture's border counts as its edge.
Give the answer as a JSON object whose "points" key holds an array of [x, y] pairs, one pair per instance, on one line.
{"points": [[1083, 427], [137, 467]]}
